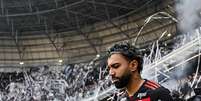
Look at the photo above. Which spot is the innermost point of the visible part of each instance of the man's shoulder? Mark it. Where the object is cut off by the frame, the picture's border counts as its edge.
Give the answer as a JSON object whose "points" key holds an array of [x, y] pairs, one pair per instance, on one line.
{"points": [[157, 91], [155, 87], [151, 85], [151, 91]]}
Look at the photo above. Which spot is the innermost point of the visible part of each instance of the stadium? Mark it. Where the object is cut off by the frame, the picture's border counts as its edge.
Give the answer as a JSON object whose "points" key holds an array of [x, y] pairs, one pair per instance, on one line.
{"points": [[55, 50]]}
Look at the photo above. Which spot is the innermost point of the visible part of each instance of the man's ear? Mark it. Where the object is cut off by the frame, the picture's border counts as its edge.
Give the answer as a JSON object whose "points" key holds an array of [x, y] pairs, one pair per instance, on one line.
{"points": [[133, 65]]}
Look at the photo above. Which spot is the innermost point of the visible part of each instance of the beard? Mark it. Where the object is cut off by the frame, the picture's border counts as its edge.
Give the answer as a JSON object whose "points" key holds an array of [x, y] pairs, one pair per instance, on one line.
{"points": [[122, 81]]}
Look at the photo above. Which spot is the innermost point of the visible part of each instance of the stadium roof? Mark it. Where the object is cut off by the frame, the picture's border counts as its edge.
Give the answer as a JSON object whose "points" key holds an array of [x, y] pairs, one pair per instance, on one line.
{"points": [[46, 31]]}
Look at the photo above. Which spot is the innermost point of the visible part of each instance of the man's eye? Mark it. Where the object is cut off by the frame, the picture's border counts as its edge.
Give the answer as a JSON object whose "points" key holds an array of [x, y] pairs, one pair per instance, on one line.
{"points": [[115, 66]]}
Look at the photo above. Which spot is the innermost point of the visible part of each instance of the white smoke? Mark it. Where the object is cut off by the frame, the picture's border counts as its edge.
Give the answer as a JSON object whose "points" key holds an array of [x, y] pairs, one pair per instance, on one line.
{"points": [[188, 14]]}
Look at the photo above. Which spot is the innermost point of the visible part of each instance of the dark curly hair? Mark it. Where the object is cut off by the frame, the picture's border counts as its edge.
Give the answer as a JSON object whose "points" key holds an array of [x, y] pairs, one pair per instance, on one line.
{"points": [[129, 51]]}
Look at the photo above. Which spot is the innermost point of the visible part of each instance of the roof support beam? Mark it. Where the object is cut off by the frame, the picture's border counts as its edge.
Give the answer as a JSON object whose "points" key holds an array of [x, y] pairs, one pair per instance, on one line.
{"points": [[101, 19], [116, 26], [2, 7], [30, 6], [20, 48], [56, 3], [51, 40], [84, 35]]}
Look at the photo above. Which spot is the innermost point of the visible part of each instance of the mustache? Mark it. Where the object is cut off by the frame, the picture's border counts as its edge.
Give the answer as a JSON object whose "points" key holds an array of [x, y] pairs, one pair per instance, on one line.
{"points": [[115, 78]]}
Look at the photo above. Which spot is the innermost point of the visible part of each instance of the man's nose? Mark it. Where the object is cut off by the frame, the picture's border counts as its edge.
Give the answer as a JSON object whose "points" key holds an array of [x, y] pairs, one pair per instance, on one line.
{"points": [[111, 72]]}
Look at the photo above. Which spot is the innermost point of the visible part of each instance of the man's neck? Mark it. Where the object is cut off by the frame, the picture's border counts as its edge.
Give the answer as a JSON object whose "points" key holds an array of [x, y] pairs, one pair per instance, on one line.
{"points": [[134, 85]]}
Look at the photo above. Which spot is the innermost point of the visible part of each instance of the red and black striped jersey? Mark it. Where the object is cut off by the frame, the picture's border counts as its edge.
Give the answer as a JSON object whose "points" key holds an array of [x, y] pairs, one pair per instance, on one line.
{"points": [[151, 91]]}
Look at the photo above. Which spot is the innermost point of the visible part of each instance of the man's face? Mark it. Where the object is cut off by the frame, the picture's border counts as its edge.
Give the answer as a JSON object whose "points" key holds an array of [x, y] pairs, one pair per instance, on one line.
{"points": [[119, 70]]}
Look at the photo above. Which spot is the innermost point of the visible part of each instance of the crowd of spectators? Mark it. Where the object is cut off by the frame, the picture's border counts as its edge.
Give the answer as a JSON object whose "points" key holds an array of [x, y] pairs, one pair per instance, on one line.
{"points": [[188, 88], [73, 83], [45, 83]]}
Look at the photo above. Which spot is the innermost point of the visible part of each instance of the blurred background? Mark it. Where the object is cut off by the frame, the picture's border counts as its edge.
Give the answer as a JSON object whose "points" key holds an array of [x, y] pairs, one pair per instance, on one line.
{"points": [[54, 50]]}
